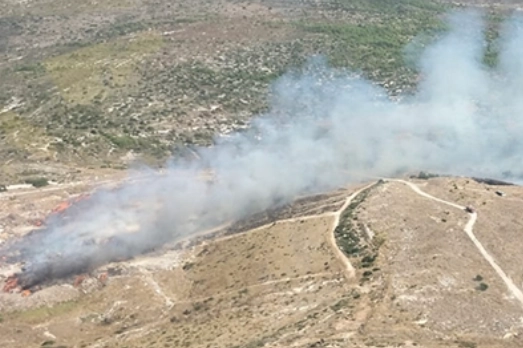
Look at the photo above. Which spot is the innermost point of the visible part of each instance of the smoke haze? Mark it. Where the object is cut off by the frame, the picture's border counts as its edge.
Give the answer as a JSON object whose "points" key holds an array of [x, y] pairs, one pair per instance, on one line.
{"points": [[325, 128]]}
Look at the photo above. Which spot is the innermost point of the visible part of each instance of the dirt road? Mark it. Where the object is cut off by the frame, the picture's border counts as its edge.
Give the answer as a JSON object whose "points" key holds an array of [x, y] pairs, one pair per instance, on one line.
{"points": [[349, 269], [469, 230]]}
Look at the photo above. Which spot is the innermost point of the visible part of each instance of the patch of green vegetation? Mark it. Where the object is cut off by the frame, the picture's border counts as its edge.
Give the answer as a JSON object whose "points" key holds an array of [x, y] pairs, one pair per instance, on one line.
{"points": [[375, 43], [398, 7], [466, 344], [227, 85], [139, 144], [37, 182], [482, 287], [10, 121], [122, 28], [351, 237], [368, 260], [38, 315], [381, 44], [123, 141], [492, 34], [198, 306], [96, 71], [424, 175], [375, 48], [68, 7], [187, 266], [19, 134], [126, 27], [340, 305], [477, 278], [33, 68]]}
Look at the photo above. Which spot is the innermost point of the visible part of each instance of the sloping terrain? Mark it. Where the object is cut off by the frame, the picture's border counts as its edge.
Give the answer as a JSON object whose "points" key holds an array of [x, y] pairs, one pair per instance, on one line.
{"points": [[90, 88], [95, 85], [438, 276], [415, 278]]}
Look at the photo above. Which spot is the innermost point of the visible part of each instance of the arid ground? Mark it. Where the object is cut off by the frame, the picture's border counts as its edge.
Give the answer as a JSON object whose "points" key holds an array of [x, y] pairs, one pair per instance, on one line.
{"points": [[91, 88], [414, 278]]}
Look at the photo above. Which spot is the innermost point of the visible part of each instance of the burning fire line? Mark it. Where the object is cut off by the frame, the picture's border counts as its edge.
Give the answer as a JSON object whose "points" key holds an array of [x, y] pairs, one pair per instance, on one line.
{"points": [[23, 282], [11, 284], [65, 245]]}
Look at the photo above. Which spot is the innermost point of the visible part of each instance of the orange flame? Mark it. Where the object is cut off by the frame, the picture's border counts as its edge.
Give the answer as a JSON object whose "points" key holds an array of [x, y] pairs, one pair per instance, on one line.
{"points": [[67, 204], [11, 284], [61, 207]]}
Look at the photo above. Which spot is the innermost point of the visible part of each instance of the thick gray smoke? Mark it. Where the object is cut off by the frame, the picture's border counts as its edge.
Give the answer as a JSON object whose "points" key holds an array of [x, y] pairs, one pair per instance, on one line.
{"points": [[325, 128]]}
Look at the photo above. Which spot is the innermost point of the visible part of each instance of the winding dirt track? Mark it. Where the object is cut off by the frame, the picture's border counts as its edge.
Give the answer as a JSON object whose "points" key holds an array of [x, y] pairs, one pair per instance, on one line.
{"points": [[349, 269], [469, 230]]}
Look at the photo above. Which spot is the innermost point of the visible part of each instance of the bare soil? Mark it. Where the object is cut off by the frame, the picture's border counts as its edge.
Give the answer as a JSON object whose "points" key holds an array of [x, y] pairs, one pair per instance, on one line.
{"points": [[281, 284]]}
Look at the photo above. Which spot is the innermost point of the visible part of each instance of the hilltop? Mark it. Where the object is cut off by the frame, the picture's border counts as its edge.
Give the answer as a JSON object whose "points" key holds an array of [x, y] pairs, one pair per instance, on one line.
{"points": [[414, 278]]}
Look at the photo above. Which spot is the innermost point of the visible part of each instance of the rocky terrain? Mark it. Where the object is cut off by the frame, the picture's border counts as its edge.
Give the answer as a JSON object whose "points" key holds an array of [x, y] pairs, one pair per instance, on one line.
{"points": [[414, 277], [92, 88], [88, 85]]}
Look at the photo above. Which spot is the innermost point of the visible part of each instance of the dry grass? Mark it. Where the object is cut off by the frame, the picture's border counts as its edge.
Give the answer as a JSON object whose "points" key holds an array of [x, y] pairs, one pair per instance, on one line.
{"points": [[431, 265], [281, 285]]}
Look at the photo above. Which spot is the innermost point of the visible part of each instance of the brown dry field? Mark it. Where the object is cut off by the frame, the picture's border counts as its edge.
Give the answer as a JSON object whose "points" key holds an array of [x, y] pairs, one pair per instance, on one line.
{"points": [[282, 285]]}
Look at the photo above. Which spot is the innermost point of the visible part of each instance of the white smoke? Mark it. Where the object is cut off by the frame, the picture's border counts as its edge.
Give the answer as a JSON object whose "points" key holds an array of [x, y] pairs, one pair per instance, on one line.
{"points": [[325, 128]]}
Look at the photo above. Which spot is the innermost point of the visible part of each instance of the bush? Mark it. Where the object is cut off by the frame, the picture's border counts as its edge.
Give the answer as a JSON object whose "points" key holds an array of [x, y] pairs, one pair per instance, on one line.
{"points": [[37, 182], [466, 344], [478, 278], [482, 287]]}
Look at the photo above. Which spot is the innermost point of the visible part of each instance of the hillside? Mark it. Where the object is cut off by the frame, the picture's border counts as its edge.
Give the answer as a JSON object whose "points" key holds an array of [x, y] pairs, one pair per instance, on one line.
{"points": [[415, 278], [148, 199], [88, 85]]}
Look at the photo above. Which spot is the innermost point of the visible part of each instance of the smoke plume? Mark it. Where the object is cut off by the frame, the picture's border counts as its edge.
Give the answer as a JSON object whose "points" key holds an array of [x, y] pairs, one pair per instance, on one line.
{"points": [[325, 128]]}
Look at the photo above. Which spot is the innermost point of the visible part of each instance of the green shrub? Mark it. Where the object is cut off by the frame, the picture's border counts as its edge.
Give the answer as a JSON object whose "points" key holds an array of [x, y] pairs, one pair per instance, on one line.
{"points": [[37, 182], [478, 278], [482, 287]]}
